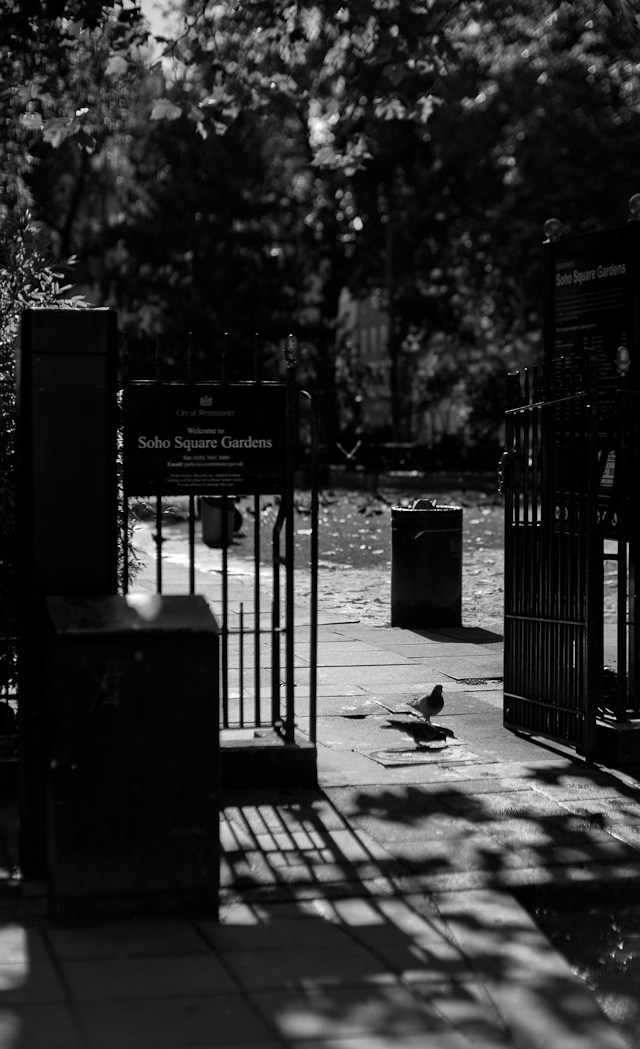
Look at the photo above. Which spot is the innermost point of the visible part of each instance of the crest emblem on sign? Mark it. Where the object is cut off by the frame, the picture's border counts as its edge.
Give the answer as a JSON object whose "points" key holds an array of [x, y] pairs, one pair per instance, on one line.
{"points": [[205, 401], [623, 360]]}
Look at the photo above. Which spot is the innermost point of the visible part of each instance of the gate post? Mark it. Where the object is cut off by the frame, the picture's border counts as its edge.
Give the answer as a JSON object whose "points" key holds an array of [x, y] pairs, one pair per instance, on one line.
{"points": [[67, 511]]}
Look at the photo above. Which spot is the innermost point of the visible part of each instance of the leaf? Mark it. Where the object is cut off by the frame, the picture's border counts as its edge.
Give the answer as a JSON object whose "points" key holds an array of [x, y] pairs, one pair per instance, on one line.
{"points": [[32, 121], [390, 109], [117, 66], [85, 141], [396, 72], [425, 107], [56, 131], [165, 109]]}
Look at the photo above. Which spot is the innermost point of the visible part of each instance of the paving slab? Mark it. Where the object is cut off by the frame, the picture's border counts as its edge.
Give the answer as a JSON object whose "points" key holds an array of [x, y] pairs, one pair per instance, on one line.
{"points": [[357, 654], [41, 1025], [164, 1023], [372, 676]]}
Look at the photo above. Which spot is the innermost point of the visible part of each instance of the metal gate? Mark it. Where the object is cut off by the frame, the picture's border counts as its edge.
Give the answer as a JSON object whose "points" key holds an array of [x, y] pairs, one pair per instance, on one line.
{"points": [[553, 654], [268, 639]]}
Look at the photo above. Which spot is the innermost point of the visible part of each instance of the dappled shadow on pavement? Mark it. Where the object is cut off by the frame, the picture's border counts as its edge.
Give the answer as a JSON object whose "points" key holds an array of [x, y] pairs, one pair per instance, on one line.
{"points": [[475, 956], [549, 826]]}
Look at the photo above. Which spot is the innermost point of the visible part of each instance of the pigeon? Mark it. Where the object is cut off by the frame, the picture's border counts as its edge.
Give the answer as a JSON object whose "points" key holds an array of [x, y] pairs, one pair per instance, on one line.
{"points": [[429, 705], [422, 733]]}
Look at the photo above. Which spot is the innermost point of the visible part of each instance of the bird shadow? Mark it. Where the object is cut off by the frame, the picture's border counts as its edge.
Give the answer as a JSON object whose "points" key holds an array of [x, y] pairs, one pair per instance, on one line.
{"points": [[421, 732]]}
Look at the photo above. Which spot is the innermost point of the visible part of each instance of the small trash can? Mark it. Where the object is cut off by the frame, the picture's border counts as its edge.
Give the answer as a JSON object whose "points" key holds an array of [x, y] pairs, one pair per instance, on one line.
{"points": [[212, 518], [426, 565]]}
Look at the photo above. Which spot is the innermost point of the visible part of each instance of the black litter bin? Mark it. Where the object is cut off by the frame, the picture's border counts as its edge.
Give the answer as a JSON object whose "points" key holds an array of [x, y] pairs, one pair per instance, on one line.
{"points": [[212, 515], [426, 565], [133, 770]]}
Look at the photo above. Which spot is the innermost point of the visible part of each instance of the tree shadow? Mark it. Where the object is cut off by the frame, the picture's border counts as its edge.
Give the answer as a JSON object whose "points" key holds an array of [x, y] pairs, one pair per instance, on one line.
{"points": [[332, 927], [458, 935]]}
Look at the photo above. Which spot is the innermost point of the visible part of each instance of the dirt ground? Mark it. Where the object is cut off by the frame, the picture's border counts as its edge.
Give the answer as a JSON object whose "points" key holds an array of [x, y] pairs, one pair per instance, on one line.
{"points": [[355, 552], [365, 593]]}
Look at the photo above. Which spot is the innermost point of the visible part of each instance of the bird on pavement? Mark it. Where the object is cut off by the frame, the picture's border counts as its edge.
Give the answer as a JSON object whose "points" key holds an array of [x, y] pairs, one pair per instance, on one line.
{"points": [[422, 733], [430, 704]]}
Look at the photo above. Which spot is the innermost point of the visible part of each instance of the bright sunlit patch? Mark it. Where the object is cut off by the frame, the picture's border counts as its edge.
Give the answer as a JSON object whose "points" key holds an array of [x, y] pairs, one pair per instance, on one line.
{"points": [[14, 974], [11, 1029], [146, 605]]}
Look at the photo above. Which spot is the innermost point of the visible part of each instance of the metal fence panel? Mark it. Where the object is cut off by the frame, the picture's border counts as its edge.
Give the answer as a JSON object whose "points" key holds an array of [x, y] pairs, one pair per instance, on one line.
{"points": [[260, 658], [552, 652]]}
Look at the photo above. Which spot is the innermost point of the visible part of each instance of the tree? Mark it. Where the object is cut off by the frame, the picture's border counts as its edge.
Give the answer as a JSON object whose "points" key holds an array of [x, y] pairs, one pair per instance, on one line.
{"points": [[532, 104], [42, 87], [345, 130]]}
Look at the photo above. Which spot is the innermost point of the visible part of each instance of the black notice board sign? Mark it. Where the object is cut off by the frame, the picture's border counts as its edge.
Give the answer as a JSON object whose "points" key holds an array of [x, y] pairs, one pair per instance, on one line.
{"points": [[204, 438], [594, 313], [594, 301]]}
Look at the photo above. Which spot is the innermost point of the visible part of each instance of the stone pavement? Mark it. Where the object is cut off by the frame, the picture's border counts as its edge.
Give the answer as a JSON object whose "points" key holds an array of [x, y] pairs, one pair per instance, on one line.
{"points": [[380, 910]]}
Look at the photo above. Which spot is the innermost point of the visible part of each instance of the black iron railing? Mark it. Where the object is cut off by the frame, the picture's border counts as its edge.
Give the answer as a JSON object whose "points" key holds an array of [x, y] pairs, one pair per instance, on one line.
{"points": [[267, 673], [568, 478]]}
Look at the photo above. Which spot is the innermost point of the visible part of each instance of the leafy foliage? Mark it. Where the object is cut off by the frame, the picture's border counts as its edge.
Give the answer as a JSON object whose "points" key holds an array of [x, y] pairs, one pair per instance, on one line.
{"points": [[49, 51], [412, 150]]}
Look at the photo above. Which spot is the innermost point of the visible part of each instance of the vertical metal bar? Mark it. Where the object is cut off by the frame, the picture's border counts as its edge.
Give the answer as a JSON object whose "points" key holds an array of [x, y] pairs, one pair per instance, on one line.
{"points": [[241, 666], [223, 357], [190, 357], [124, 376], [536, 601], [291, 354], [158, 541], [555, 685], [511, 495], [549, 485], [527, 558], [634, 510], [508, 535], [594, 576], [192, 507], [256, 611], [535, 510], [256, 357], [125, 544], [542, 498], [192, 544], [577, 454], [157, 364], [621, 486], [569, 450], [313, 637], [224, 633], [257, 695], [157, 368], [224, 629], [528, 494], [541, 631], [275, 650]]}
